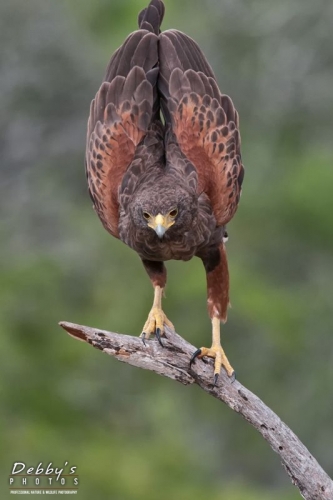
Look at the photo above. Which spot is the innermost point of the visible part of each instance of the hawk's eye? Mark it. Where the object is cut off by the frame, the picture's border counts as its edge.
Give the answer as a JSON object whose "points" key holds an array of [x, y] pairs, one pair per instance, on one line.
{"points": [[146, 215], [173, 212]]}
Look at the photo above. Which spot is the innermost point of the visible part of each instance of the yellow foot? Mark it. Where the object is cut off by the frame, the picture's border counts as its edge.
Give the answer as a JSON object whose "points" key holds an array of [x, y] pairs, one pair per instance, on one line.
{"points": [[221, 359], [155, 324]]}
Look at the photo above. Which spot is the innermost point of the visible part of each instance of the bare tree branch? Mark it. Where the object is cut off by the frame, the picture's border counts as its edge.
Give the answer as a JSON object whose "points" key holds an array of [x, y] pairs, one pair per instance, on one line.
{"points": [[172, 361]]}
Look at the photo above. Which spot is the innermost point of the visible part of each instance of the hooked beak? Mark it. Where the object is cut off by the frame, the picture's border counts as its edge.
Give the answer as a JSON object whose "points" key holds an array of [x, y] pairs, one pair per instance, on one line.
{"points": [[161, 224]]}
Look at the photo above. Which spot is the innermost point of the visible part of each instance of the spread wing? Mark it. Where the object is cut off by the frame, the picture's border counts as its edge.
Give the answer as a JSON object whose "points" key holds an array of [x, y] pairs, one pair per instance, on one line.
{"points": [[121, 115], [204, 122]]}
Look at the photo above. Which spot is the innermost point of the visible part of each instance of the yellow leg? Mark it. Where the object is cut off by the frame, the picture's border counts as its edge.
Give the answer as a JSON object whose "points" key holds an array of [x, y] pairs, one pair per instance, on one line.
{"points": [[216, 352], [156, 318]]}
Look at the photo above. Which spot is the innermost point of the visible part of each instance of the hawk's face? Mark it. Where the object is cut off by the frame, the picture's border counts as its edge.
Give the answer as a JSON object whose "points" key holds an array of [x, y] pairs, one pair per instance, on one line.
{"points": [[166, 212]]}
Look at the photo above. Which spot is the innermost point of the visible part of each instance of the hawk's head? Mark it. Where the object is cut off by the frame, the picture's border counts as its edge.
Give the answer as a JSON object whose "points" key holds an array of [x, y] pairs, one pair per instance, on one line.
{"points": [[167, 210]]}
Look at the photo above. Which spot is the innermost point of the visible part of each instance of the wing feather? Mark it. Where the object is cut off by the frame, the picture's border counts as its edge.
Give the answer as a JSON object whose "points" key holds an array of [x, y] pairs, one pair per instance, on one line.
{"points": [[204, 122], [121, 115]]}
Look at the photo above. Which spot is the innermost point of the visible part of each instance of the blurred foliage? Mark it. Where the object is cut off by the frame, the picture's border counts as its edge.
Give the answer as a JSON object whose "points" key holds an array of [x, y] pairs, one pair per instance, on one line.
{"points": [[131, 434]]}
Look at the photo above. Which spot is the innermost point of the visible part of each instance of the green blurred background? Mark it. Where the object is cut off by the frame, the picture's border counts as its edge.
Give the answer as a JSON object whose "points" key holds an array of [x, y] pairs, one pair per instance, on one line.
{"points": [[134, 435]]}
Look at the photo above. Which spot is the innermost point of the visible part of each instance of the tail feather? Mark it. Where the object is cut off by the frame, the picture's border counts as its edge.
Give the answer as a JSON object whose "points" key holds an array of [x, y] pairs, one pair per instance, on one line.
{"points": [[151, 17]]}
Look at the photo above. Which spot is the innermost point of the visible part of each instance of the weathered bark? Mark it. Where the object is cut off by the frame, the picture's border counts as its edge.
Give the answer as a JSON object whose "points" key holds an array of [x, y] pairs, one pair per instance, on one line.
{"points": [[172, 361]]}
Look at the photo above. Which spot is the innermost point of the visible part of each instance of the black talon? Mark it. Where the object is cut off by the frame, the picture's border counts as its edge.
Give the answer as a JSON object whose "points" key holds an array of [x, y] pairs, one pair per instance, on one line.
{"points": [[158, 336], [233, 377], [143, 336], [216, 377], [195, 355]]}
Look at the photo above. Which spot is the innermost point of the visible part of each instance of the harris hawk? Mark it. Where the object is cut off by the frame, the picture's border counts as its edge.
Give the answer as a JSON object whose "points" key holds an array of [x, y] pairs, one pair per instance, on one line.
{"points": [[163, 164]]}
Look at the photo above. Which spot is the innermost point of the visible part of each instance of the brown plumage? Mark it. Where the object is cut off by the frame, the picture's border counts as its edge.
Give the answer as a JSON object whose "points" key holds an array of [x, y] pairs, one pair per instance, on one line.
{"points": [[166, 188]]}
